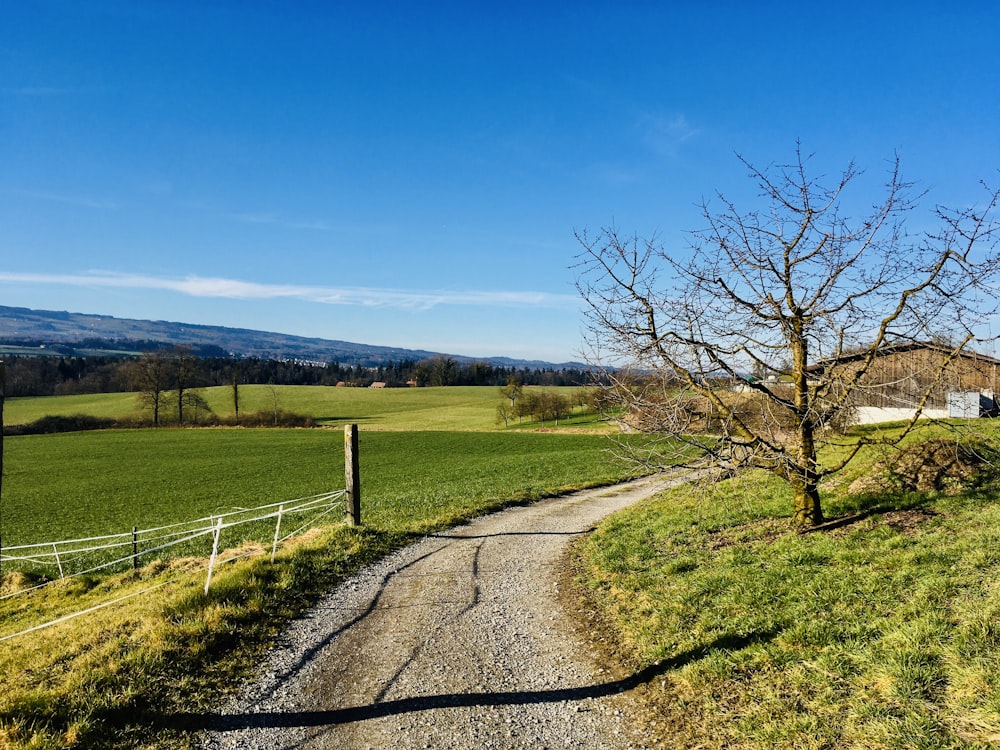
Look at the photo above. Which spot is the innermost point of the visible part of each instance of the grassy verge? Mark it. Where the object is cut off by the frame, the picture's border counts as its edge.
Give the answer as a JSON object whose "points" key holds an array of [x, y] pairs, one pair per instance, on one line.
{"points": [[883, 632], [137, 673]]}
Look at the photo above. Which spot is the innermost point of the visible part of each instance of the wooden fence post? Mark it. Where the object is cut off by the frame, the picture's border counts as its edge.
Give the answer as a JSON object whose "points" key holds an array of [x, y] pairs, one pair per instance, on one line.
{"points": [[352, 474]]}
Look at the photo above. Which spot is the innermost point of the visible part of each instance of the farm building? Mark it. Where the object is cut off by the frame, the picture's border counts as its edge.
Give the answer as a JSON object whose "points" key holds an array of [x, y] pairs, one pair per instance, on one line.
{"points": [[902, 374]]}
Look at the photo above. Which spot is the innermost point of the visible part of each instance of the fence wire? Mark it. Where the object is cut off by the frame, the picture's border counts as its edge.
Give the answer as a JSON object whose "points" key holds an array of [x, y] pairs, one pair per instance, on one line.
{"points": [[78, 557]]}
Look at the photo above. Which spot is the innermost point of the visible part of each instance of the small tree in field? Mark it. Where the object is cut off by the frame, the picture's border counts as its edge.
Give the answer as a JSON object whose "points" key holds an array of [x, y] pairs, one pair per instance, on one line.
{"points": [[196, 404], [236, 397], [150, 375], [512, 391], [772, 291], [184, 366]]}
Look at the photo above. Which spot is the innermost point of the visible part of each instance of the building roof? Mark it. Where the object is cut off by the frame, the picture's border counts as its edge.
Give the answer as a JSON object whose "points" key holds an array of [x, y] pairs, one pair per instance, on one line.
{"points": [[902, 348]]}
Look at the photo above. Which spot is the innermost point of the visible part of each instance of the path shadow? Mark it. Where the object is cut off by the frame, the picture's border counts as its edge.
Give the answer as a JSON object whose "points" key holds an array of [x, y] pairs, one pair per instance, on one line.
{"points": [[311, 652], [306, 656], [353, 714]]}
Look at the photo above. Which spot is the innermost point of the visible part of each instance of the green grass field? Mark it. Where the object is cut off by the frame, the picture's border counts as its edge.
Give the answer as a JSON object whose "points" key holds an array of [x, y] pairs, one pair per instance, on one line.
{"points": [[883, 633], [466, 408], [88, 483], [106, 405], [103, 680]]}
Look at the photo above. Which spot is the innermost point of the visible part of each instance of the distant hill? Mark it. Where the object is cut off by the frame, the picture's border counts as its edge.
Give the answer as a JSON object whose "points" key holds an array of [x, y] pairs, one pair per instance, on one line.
{"points": [[26, 331]]}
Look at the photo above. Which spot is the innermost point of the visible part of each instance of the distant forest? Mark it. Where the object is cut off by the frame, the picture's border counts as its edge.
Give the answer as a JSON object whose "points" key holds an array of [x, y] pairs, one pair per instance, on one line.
{"points": [[53, 374]]}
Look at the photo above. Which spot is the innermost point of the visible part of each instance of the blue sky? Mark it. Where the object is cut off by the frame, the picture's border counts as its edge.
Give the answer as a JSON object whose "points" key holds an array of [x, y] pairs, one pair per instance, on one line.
{"points": [[412, 174]]}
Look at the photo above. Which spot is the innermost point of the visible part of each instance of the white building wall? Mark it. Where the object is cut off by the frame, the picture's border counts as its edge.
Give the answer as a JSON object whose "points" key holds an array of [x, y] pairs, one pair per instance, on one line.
{"points": [[878, 414]]}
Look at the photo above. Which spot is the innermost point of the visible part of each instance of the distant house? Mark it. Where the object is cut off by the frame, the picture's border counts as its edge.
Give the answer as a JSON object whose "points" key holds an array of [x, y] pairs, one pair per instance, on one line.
{"points": [[901, 374]]}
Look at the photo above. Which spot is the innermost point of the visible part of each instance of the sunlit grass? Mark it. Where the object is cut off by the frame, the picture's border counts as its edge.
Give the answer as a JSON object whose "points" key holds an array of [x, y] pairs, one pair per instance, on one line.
{"points": [[884, 632], [84, 484], [114, 678], [117, 678], [447, 408]]}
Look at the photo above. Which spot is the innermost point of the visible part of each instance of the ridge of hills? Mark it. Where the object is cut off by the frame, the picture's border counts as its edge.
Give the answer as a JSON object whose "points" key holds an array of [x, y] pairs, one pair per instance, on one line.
{"points": [[27, 331]]}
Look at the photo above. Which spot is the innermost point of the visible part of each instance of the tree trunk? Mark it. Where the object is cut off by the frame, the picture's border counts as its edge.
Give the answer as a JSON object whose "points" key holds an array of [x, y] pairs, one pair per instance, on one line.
{"points": [[806, 505], [236, 398], [805, 490], [805, 487]]}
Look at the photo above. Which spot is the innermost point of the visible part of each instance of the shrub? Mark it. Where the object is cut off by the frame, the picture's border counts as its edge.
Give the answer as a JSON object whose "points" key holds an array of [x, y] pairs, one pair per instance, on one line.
{"points": [[271, 418], [53, 424]]}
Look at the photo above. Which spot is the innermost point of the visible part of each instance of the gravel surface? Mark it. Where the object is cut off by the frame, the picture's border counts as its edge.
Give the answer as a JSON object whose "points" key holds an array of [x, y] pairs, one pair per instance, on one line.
{"points": [[458, 641]]}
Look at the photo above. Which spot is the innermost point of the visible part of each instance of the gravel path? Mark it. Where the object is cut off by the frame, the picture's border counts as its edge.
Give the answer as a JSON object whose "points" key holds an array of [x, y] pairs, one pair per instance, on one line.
{"points": [[457, 641]]}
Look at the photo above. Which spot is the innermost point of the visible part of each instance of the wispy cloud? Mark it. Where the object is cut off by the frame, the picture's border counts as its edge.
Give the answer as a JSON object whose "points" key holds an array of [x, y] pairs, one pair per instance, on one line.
{"points": [[196, 286], [74, 200], [665, 133], [269, 218]]}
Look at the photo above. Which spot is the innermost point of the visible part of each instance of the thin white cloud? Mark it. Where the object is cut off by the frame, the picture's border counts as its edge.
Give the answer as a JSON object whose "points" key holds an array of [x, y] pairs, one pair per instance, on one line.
{"points": [[196, 286], [269, 218], [664, 134], [74, 200]]}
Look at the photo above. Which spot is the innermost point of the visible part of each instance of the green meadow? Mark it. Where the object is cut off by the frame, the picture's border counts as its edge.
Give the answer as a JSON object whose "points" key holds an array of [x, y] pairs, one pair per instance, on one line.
{"points": [[104, 405], [882, 631], [85, 484], [464, 408], [430, 458]]}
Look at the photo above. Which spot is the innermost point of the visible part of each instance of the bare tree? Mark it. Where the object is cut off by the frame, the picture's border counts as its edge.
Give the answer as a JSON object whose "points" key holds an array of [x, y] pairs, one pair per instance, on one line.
{"points": [[236, 397], [149, 375], [512, 391], [184, 366], [196, 404], [773, 291]]}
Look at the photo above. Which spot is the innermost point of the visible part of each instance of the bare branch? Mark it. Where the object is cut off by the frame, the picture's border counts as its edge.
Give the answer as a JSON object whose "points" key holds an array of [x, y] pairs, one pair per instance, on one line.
{"points": [[782, 292]]}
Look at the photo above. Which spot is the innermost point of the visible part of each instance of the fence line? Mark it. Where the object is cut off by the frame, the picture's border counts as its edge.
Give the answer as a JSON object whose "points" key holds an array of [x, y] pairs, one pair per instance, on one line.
{"points": [[326, 503], [48, 553], [175, 534], [87, 611], [319, 497]]}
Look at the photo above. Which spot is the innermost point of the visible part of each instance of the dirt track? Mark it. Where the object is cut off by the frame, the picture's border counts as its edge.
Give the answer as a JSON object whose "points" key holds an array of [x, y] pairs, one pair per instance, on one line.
{"points": [[457, 641]]}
